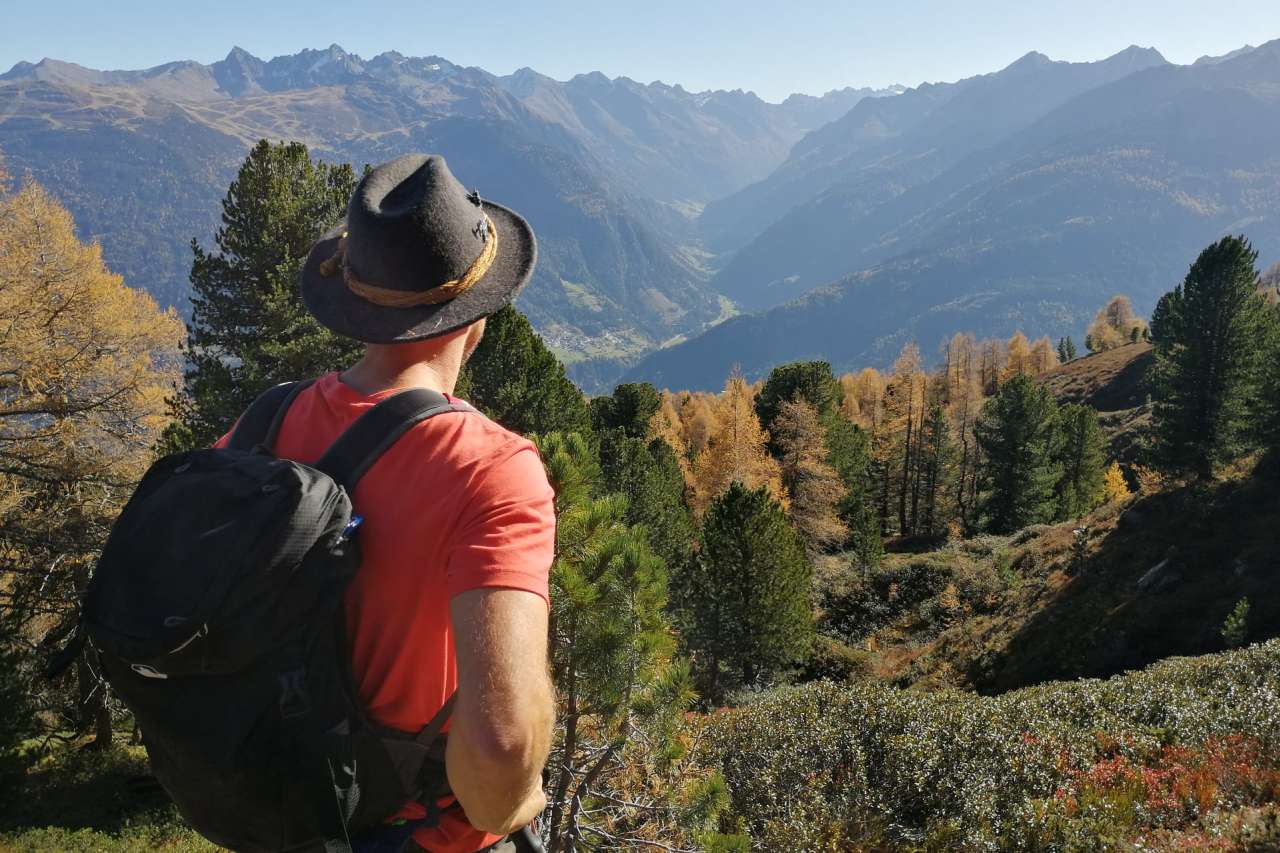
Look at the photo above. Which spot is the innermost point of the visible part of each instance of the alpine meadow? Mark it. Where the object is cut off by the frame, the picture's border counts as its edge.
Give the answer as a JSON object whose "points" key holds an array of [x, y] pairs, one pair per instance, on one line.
{"points": [[909, 454]]}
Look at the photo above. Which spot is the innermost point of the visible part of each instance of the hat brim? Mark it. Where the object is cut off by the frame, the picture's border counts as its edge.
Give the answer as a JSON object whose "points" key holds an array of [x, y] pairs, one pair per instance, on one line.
{"points": [[332, 303]]}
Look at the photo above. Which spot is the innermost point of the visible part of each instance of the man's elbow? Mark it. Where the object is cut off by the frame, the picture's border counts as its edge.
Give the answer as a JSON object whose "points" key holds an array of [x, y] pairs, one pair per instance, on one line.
{"points": [[515, 750], [495, 769]]}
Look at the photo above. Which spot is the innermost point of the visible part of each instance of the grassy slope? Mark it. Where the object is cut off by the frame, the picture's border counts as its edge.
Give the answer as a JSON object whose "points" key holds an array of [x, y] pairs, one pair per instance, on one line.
{"points": [[82, 801], [1115, 383]]}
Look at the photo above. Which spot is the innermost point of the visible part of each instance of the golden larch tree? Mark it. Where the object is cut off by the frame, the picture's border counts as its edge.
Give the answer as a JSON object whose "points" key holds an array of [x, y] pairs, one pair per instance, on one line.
{"points": [[868, 391], [813, 485], [1114, 325], [896, 444], [736, 451], [1114, 485], [665, 424], [86, 364], [1043, 356], [964, 396], [697, 420], [993, 357], [1019, 358]]}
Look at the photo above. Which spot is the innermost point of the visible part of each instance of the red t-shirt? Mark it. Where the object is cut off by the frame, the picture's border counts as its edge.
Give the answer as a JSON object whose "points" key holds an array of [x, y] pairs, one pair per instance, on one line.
{"points": [[458, 503]]}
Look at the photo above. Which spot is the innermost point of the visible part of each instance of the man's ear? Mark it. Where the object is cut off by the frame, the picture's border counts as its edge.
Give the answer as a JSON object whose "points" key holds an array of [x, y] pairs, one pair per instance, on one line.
{"points": [[474, 335]]}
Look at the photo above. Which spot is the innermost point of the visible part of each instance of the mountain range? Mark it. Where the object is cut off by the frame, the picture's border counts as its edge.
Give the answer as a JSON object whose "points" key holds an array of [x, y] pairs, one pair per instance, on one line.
{"points": [[845, 224], [610, 173], [1022, 199]]}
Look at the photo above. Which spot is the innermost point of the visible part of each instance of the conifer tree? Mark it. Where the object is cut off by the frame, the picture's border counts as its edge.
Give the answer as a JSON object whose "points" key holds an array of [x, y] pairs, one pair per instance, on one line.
{"points": [[1043, 358], [1208, 360], [964, 399], [1080, 455], [993, 359], [814, 487], [1115, 487], [935, 469], [1115, 325], [904, 406], [648, 474], [811, 381], [868, 392], [1266, 417], [516, 380], [699, 420], [249, 329], [630, 408], [849, 453], [622, 691], [665, 426], [1019, 361], [1070, 351], [745, 596], [87, 365], [1017, 433], [736, 451]]}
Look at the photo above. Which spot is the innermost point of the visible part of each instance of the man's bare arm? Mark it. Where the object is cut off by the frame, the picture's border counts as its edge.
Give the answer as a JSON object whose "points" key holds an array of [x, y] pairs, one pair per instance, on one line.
{"points": [[501, 729]]}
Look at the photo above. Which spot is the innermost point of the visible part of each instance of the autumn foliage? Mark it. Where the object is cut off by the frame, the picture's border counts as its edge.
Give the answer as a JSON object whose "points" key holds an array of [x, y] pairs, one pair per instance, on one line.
{"points": [[85, 366]]}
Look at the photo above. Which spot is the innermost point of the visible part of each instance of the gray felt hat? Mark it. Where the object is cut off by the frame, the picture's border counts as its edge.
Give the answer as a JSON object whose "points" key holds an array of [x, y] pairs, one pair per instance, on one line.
{"points": [[417, 256]]}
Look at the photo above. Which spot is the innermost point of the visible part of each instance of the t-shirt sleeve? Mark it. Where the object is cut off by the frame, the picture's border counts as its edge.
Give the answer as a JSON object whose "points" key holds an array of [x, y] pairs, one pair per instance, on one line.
{"points": [[507, 531]]}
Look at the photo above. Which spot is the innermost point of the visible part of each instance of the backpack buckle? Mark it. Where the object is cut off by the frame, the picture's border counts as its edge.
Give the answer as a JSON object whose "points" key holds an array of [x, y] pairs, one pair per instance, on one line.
{"points": [[295, 701]]}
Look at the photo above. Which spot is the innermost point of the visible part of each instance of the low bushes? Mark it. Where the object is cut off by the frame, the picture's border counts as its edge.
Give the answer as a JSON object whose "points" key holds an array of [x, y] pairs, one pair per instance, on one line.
{"points": [[1061, 766], [926, 591]]}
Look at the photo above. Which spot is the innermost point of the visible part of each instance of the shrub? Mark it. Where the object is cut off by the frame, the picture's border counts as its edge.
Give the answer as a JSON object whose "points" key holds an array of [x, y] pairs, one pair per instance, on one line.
{"points": [[928, 589], [832, 660], [828, 766]]}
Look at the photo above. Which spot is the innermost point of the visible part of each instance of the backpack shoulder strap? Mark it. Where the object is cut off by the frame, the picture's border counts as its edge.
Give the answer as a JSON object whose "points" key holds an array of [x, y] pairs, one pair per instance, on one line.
{"points": [[376, 430], [260, 423]]}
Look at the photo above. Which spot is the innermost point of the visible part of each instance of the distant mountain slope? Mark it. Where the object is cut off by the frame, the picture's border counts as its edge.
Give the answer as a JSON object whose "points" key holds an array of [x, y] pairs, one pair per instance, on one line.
{"points": [[813, 218], [1116, 190], [674, 145], [142, 158]]}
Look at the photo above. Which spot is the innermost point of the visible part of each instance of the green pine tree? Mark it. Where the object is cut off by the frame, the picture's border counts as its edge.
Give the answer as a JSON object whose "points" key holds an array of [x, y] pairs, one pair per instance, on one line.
{"points": [[936, 452], [630, 409], [1082, 458], [648, 474], [811, 381], [248, 327], [1208, 333], [745, 596], [1071, 350], [623, 694], [1267, 417], [1062, 350], [516, 380], [1017, 433], [1235, 628], [849, 452]]}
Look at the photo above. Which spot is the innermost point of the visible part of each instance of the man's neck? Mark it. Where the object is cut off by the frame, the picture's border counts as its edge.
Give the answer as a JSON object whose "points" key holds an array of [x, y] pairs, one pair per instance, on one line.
{"points": [[383, 368]]}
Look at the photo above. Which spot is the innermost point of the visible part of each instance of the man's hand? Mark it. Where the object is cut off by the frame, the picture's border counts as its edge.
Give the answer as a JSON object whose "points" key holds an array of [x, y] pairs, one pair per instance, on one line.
{"points": [[501, 729]]}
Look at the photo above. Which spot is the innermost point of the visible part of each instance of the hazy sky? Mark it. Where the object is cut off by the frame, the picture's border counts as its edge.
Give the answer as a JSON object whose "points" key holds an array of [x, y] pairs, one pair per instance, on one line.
{"points": [[772, 48]]}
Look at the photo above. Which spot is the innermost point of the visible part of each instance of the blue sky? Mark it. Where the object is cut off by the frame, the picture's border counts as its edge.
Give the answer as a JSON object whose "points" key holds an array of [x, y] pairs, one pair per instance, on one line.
{"points": [[772, 48]]}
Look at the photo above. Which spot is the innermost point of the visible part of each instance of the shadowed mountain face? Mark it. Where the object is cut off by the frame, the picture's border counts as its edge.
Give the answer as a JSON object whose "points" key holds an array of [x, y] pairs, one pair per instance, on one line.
{"points": [[609, 172], [1114, 190]]}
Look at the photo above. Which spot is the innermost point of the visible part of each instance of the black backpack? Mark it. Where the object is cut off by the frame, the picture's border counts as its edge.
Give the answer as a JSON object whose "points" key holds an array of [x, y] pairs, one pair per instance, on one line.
{"points": [[216, 612]]}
